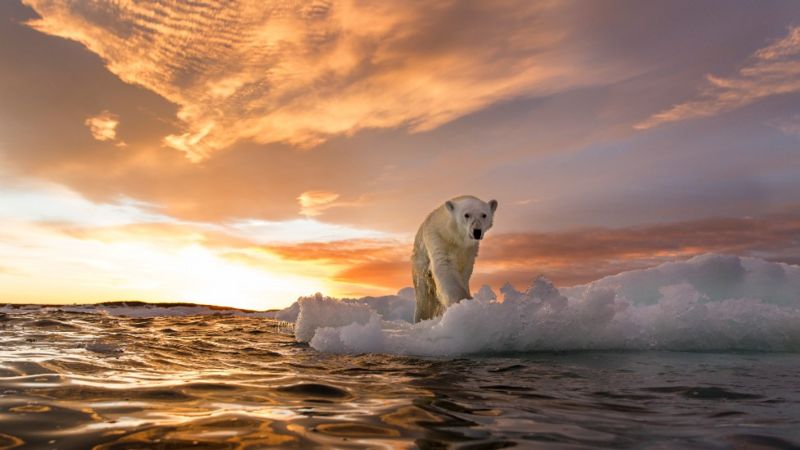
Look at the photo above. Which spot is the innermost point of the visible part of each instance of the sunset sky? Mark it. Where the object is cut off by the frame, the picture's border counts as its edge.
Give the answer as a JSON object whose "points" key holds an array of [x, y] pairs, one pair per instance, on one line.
{"points": [[245, 153]]}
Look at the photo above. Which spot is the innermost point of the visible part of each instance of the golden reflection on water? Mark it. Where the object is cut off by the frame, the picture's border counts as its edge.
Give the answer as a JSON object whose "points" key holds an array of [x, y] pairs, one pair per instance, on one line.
{"points": [[30, 409], [222, 382], [409, 417], [97, 381], [227, 433], [8, 442]]}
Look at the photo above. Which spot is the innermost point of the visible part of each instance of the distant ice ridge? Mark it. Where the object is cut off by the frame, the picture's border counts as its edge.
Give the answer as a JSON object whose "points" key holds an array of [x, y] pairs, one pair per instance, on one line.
{"points": [[710, 302]]}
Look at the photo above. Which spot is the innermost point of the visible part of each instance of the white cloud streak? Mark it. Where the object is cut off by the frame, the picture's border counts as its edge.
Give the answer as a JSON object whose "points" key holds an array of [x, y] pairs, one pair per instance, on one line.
{"points": [[772, 70]]}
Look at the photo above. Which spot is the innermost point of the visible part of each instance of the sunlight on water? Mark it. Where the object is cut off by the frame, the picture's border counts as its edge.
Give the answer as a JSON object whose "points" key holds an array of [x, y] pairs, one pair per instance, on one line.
{"points": [[78, 380]]}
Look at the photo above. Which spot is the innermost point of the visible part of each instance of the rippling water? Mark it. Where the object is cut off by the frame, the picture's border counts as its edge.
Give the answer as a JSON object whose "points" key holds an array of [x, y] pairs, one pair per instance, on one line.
{"points": [[78, 381]]}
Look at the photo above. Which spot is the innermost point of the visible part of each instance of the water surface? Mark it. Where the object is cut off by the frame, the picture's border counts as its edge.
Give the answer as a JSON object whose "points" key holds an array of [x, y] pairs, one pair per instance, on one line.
{"points": [[79, 380]]}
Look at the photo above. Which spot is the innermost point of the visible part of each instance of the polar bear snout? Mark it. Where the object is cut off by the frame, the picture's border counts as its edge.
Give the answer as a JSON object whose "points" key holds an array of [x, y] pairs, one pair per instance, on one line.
{"points": [[477, 233]]}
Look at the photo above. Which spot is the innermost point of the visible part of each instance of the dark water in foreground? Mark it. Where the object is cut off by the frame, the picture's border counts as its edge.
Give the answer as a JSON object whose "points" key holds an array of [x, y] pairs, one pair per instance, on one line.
{"points": [[80, 381]]}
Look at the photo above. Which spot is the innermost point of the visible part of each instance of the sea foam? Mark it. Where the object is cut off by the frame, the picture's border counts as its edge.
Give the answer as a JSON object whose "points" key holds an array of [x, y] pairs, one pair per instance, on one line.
{"points": [[710, 302]]}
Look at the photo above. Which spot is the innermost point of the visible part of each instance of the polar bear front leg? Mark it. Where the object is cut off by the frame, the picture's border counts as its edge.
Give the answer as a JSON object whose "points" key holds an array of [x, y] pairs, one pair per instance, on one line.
{"points": [[466, 273], [427, 306], [448, 281]]}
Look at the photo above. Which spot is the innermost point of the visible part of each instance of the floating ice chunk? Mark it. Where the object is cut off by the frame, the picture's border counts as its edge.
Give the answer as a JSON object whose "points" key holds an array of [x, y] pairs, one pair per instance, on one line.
{"points": [[367, 336], [717, 277], [289, 314], [710, 302], [388, 307], [318, 312]]}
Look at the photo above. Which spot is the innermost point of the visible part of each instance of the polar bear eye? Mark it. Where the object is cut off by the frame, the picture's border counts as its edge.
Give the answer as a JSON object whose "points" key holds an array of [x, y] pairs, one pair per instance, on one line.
{"points": [[483, 215], [466, 215]]}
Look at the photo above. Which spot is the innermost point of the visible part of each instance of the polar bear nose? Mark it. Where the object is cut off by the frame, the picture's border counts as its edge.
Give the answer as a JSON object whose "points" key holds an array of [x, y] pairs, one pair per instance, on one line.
{"points": [[477, 233]]}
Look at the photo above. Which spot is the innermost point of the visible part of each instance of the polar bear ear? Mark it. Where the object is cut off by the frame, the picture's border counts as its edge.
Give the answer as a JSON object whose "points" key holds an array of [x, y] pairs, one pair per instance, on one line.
{"points": [[450, 206], [493, 205]]}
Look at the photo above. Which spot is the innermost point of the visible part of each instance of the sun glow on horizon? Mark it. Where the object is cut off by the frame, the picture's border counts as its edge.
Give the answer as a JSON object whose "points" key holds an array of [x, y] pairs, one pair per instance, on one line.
{"points": [[62, 269], [58, 247], [210, 279]]}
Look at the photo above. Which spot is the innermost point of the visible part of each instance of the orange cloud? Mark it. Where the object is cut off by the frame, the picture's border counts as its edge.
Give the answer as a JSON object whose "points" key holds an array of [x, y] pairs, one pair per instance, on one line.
{"points": [[313, 202], [773, 70], [367, 265], [345, 252], [103, 126], [299, 72]]}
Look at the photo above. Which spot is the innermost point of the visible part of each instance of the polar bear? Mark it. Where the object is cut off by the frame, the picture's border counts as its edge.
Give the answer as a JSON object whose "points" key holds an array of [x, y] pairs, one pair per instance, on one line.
{"points": [[444, 253]]}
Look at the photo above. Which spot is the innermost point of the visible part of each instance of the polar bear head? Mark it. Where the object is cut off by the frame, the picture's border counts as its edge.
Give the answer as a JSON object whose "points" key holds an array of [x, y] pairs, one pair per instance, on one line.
{"points": [[472, 216]]}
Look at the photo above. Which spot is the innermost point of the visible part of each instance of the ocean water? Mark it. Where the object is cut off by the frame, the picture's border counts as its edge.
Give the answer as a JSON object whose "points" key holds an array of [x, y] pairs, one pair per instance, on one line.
{"points": [[81, 380]]}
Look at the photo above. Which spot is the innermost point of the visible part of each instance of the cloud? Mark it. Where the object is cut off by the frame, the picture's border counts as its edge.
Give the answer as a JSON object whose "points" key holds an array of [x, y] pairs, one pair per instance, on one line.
{"points": [[312, 203], [103, 126], [537, 147], [772, 70], [34, 200], [377, 265], [301, 72], [789, 126], [298, 230]]}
